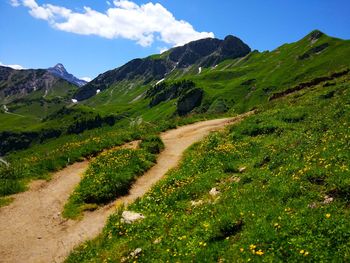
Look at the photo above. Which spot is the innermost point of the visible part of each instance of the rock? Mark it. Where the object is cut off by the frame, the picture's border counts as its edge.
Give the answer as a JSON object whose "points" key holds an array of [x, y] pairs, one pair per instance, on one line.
{"points": [[315, 35], [327, 200], [157, 241], [312, 205], [189, 101], [166, 92], [242, 169], [136, 252], [235, 179], [130, 217], [196, 203], [214, 192]]}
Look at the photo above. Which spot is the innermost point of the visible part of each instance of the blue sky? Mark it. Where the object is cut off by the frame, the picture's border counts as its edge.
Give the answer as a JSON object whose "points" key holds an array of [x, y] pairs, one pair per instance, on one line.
{"points": [[107, 34]]}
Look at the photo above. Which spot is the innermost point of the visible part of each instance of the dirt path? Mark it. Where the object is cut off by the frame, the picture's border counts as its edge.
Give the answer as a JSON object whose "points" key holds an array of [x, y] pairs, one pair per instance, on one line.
{"points": [[32, 229]]}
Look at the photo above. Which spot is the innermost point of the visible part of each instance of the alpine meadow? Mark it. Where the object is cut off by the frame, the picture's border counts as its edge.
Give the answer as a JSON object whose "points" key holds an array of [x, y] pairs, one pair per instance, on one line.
{"points": [[209, 151]]}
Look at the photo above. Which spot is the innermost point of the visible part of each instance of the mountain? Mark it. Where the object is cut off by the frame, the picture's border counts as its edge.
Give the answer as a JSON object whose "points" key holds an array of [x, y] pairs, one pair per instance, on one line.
{"points": [[20, 84], [162, 85], [208, 76], [202, 53], [60, 71]]}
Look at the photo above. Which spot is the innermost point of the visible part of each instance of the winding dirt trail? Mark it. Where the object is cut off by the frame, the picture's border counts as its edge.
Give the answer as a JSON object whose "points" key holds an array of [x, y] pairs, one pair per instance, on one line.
{"points": [[32, 229]]}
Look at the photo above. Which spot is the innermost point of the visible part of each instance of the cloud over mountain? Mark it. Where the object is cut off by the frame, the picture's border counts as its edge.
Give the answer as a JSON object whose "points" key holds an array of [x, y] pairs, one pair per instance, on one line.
{"points": [[123, 19], [12, 66]]}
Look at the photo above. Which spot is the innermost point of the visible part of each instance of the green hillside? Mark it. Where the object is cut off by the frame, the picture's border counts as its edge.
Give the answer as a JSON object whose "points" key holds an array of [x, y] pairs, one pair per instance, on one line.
{"points": [[239, 84], [282, 192]]}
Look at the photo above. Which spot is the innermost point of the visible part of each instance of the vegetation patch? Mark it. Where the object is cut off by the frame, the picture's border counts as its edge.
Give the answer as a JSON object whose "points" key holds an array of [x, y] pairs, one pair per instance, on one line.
{"points": [[111, 174]]}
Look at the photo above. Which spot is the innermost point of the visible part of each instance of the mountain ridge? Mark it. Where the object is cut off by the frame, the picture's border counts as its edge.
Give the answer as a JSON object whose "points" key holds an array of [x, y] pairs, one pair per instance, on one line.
{"points": [[204, 53]]}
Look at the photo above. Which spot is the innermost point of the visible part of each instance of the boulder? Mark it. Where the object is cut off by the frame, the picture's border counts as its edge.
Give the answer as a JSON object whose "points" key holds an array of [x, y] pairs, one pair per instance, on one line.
{"points": [[214, 192], [189, 101], [130, 217]]}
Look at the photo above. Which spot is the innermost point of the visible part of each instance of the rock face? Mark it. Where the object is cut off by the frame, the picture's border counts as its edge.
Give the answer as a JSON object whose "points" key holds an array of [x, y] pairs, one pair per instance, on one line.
{"points": [[166, 92], [60, 71], [315, 35], [204, 53], [189, 101]]}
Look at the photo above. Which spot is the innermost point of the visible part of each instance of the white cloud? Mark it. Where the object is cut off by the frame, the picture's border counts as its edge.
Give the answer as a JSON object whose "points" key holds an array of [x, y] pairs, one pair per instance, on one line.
{"points": [[12, 66], [125, 19], [88, 79], [108, 3], [14, 3]]}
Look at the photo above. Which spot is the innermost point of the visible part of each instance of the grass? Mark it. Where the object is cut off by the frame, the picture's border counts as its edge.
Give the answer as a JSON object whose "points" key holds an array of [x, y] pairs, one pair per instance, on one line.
{"points": [[5, 201], [290, 202], [41, 160], [111, 174]]}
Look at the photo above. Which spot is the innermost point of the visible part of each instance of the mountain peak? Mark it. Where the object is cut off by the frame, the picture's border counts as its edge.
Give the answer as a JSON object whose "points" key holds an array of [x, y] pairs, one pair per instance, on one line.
{"points": [[60, 71], [59, 66]]}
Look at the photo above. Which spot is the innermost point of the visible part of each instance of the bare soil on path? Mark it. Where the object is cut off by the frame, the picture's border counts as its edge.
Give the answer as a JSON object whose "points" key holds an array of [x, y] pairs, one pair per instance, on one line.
{"points": [[32, 228]]}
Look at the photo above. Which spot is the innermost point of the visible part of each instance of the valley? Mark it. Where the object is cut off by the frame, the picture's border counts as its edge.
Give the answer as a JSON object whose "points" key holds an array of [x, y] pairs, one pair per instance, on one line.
{"points": [[227, 154]]}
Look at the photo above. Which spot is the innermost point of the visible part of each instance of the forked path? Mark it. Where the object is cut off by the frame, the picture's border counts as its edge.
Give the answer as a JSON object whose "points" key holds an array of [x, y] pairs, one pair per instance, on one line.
{"points": [[32, 229]]}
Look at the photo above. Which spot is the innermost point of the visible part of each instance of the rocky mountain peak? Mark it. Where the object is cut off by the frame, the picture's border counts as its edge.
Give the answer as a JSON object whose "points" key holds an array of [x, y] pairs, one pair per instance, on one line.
{"points": [[60, 71], [60, 67]]}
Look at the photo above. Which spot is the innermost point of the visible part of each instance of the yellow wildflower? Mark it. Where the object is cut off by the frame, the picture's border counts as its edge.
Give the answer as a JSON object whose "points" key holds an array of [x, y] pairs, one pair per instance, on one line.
{"points": [[251, 247]]}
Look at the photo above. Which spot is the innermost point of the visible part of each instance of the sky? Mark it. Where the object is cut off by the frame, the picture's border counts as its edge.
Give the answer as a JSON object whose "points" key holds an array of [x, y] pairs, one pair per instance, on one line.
{"points": [[92, 36]]}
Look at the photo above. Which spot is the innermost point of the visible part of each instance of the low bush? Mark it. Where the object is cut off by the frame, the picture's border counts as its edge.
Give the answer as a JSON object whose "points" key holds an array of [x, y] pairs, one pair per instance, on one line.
{"points": [[152, 144]]}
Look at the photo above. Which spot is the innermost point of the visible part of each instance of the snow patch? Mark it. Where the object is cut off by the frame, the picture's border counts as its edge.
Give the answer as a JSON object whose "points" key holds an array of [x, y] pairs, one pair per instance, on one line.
{"points": [[74, 101], [199, 70], [87, 79], [160, 81], [98, 91]]}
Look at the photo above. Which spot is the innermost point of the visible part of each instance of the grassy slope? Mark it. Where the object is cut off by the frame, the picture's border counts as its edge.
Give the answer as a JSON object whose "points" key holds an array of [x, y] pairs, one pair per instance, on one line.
{"points": [[36, 106], [290, 204]]}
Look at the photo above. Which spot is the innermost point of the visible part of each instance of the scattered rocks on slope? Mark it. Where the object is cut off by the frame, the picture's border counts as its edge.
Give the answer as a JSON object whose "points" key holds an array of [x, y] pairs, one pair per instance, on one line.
{"points": [[130, 217], [327, 200], [197, 203], [242, 169], [136, 252], [214, 192]]}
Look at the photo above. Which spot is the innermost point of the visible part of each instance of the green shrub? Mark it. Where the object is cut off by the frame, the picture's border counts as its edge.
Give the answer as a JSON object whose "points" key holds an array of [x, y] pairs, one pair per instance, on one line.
{"points": [[152, 144]]}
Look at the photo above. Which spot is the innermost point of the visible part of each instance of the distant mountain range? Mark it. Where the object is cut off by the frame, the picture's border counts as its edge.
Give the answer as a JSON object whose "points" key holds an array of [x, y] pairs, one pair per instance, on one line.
{"points": [[207, 75], [60, 71], [17, 84]]}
